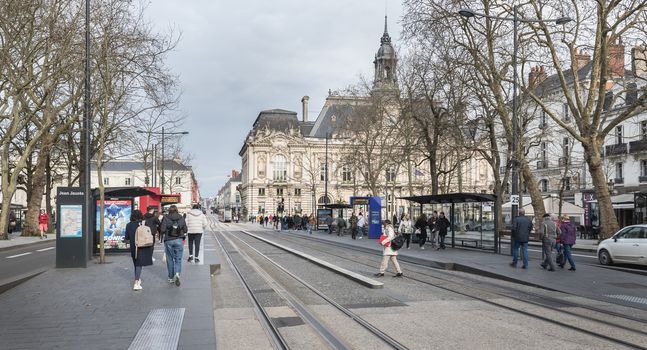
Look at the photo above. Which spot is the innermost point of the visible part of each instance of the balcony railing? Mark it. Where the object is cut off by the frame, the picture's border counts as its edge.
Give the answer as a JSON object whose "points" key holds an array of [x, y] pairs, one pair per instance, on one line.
{"points": [[619, 180], [637, 146], [542, 164], [620, 148]]}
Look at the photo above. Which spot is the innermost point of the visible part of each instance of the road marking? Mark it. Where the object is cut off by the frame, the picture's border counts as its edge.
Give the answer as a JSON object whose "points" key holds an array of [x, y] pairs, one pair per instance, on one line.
{"points": [[17, 255], [45, 249]]}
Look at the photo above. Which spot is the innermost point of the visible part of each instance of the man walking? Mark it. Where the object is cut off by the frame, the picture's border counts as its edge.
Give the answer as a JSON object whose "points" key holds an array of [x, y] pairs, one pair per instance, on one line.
{"points": [[353, 225], [196, 222], [173, 228], [442, 224], [521, 227], [360, 225], [549, 232]]}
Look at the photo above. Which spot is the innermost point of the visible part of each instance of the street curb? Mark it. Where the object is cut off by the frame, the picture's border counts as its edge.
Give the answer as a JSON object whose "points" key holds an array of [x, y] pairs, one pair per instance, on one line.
{"points": [[451, 266], [14, 282], [27, 245], [361, 279]]}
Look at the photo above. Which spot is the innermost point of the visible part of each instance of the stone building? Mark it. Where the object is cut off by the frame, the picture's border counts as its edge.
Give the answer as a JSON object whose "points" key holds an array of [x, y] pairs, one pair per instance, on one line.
{"points": [[300, 163]]}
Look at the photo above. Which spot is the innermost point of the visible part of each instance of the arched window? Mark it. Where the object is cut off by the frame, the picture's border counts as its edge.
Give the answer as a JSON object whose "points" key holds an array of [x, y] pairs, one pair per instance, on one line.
{"points": [[543, 185], [280, 168], [324, 200]]}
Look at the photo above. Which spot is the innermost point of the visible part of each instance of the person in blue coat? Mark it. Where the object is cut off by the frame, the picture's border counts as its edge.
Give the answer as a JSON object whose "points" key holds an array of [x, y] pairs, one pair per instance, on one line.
{"points": [[144, 256]]}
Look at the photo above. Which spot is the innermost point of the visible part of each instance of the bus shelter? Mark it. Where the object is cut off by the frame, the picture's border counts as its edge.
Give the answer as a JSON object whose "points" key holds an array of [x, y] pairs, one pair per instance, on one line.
{"points": [[334, 211], [472, 217]]}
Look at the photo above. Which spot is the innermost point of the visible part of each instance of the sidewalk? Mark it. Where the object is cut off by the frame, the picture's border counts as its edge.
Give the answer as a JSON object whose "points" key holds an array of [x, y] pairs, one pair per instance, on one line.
{"points": [[16, 240], [590, 280], [96, 308]]}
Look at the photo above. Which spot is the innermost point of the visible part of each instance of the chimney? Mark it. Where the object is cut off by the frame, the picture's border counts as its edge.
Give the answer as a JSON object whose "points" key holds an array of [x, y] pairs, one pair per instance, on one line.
{"points": [[304, 104], [234, 173], [616, 60], [581, 59], [537, 75], [639, 60]]}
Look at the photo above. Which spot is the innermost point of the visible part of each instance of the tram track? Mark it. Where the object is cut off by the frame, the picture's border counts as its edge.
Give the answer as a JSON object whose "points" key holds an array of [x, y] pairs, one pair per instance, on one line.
{"points": [[532, 299], [301, 309]]}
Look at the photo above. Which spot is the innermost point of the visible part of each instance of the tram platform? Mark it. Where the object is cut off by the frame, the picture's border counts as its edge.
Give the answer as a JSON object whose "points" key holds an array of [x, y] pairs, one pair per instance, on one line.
{"points": [[615, 285]]}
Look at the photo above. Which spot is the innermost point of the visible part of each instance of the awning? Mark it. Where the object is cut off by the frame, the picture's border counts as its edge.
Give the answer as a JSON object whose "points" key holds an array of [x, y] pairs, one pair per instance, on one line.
{"points": [[451, 198], [623, 205], [124, 192]]}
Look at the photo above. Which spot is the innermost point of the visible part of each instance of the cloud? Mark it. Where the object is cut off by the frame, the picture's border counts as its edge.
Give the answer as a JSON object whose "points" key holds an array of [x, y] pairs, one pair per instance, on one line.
{"points": [[237, 58]]}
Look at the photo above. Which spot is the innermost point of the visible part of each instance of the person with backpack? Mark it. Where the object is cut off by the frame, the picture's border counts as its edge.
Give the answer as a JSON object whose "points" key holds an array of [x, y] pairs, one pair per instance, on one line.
{"points": [[353, 225], [141, 245], [196, 222], [388, 253], [174, 228]]}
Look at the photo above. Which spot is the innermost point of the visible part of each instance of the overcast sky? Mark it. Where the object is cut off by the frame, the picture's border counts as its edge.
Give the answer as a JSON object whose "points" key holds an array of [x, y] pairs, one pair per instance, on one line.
{"points": [[236, 58]]}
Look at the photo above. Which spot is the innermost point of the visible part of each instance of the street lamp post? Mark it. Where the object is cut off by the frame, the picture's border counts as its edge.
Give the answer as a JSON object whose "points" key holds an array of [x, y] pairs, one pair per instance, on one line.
{"points": [[163, 134], [468, 13]]}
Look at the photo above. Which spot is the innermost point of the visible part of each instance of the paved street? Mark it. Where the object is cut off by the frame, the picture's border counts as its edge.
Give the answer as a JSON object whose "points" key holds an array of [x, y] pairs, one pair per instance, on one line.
{"points": [[431, 308]]}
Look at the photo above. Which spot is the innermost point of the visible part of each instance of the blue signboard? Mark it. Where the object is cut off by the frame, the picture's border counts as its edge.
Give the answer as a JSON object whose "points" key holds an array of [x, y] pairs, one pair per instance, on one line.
{"points": [[374, 214]]}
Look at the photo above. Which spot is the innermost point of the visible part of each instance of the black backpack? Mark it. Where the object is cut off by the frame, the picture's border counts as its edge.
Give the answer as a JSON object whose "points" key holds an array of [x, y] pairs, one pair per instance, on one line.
{"points": [[174, 230], [397, 242]]}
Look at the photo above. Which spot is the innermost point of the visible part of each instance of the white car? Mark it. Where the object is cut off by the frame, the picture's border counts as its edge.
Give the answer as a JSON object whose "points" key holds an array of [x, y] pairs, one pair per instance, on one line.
{"points": [[628, 246]]}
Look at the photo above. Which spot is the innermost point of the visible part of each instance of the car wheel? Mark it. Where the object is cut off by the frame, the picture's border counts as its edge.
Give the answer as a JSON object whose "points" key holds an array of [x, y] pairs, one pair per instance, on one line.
{"points": [[605, 258]]}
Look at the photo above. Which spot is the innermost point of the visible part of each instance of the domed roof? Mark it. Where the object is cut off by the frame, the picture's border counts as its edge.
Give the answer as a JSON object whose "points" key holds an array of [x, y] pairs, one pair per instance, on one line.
{"points": [[386, 51]]}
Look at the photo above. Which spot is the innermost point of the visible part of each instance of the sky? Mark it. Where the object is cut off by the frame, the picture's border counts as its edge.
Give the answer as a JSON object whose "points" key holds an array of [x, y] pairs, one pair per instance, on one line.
{"points": [[237, 58]]}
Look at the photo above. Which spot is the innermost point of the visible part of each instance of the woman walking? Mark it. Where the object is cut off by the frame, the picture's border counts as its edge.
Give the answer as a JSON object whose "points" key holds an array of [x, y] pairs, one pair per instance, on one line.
{"points": [[406, 228], [421, 224], [142, 256], [567, 238], [43, 222], [387, 252]]}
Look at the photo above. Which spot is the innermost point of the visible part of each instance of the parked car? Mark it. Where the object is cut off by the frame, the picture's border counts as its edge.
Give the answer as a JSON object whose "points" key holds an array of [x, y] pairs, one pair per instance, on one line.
{"points": [[628, 246]]}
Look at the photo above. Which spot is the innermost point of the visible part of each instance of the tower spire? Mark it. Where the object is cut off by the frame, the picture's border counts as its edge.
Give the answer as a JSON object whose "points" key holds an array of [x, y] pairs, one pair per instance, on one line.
{"points": [[385, 37], [385, 31]]}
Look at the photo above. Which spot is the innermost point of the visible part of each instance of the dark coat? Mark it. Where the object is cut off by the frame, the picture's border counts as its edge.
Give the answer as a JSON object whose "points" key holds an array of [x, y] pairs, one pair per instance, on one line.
{"points": [[521, 227], [569, 233], [145, 254], [167, 223], [153, 223], [421, 224], [442, 224]]}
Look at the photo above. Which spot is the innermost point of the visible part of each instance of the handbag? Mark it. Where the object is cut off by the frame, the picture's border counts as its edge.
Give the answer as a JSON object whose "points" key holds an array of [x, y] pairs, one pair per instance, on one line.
{"points": [[381, 240]]}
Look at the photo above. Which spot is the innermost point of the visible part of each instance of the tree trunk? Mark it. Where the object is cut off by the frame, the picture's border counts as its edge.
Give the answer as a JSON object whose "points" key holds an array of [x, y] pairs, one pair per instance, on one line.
{"points": [[39, 180], [533, 190], [48, 193], [608, 221]]}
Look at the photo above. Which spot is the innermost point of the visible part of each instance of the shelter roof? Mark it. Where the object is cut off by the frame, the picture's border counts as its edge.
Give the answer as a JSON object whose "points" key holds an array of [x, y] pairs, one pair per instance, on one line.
{"points": [[126, 192], [451, 198]]}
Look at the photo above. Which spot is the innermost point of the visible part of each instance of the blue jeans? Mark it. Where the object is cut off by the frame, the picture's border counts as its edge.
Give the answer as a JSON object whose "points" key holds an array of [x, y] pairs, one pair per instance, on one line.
{"points": [[524, 252], [568, 254], [174, 249]]}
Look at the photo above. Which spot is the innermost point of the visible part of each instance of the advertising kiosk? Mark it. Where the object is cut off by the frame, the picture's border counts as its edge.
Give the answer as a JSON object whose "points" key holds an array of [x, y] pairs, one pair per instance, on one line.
{"points": [[371, 207]]}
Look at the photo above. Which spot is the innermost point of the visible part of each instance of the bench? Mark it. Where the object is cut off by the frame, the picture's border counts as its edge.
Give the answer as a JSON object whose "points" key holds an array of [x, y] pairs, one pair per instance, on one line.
{"points": [[469, 240]]}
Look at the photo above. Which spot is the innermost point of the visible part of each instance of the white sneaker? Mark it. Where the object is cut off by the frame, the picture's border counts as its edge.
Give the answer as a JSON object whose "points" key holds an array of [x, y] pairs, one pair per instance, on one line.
{"points": [[177, 279], [170, 280], [423, 248], [137, 285]]}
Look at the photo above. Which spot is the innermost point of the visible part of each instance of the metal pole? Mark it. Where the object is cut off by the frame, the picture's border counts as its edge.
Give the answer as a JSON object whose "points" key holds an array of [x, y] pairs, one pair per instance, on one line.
{"points": [[163, 179], [154, 172], [87, 135], [326, 175], [515, 175]]}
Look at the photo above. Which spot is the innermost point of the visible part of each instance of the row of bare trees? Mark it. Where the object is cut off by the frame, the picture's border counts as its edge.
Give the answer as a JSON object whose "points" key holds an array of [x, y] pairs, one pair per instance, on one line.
{"points": [[41, 90], [476, 54]]}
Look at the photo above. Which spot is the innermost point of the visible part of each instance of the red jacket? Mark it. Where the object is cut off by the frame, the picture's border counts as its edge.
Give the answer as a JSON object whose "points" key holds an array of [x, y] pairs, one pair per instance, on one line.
{"points": [[43, 219]]}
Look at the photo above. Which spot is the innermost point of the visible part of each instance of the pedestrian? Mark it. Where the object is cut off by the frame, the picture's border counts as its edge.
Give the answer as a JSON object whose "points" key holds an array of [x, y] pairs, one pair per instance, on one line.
{"points": [[12, 222], [548, 232], [275, 222], [361, 222], [433, 229], [521, 227], [152, 221], [329, 222], [353, 225], [406, 228], [387, 252], [311, 223], [142, 256], [196, 222], [442, 224], [266, 220], [421, 225], [173, 228], [43, 222], [568, 237], [341, 226]]}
